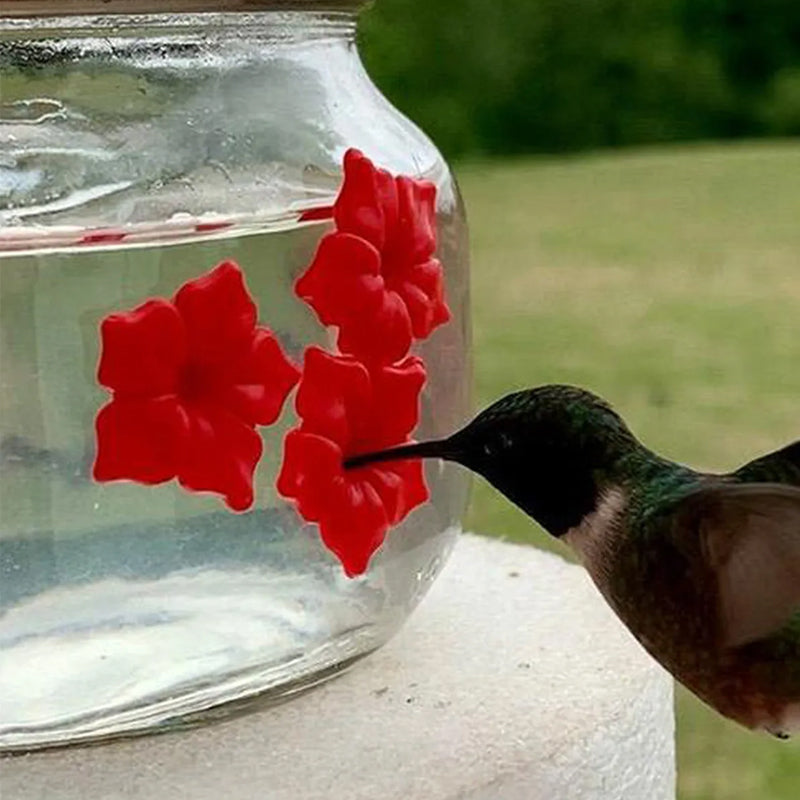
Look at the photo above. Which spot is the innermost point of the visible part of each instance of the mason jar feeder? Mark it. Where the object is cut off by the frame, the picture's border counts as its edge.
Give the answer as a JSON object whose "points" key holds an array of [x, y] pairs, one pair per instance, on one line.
{"points": [[226, 265]]}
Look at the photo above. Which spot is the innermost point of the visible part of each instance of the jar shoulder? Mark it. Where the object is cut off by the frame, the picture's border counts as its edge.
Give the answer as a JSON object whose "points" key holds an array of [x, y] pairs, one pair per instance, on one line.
{"points": [[141, 130]]}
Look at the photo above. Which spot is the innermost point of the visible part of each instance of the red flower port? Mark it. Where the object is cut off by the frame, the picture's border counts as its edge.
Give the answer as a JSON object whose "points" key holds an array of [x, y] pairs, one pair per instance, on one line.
{"points": [[375, 277], [190, 378], [347, 409]]}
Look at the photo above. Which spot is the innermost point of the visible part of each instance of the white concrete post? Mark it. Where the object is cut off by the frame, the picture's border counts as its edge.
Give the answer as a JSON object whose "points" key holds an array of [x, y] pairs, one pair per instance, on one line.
{"points": [[512, 681]]}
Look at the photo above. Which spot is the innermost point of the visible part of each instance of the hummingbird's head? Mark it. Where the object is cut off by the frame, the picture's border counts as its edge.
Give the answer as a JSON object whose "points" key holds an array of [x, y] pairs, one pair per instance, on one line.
{"points": [[551, 450]]}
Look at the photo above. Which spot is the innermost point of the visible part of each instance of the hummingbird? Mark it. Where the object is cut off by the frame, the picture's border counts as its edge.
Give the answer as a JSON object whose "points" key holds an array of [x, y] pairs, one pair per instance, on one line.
{"points": [[703, 568]]}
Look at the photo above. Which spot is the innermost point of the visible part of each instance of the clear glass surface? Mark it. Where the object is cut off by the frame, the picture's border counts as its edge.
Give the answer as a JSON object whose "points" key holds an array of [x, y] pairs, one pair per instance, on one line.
{"points": [[126, 608]]}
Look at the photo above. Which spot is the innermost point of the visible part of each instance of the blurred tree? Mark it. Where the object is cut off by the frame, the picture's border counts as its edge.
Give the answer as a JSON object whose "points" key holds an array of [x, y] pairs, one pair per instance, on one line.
{"points": [[501, 76]]}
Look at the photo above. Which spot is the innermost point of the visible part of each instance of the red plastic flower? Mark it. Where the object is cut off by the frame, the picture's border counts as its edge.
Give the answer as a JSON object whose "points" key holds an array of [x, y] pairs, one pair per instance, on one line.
{"points": [[191, 378], [375, 277], [347, 409]]}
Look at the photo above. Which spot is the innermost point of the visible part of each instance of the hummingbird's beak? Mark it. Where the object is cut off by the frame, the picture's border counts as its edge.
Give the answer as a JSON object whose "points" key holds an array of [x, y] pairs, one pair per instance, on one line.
{"points": [[441, 448]]}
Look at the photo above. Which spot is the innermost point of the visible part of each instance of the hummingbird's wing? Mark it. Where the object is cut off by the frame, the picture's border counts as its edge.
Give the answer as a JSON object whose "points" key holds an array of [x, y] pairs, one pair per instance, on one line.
{"points": [[749, 538], [782, 466]]}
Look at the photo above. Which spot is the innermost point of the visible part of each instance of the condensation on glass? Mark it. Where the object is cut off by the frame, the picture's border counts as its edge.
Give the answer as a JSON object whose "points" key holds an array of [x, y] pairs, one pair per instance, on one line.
{"points": [[125, 608]]}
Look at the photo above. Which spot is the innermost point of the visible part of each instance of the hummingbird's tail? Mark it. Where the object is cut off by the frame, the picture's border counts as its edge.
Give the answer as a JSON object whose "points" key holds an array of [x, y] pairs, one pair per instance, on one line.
{"points": [[441, 448]]}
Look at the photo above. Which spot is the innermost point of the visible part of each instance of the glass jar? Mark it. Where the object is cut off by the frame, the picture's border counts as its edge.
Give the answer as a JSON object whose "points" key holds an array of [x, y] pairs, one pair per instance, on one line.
{"points": [[137, 150]]}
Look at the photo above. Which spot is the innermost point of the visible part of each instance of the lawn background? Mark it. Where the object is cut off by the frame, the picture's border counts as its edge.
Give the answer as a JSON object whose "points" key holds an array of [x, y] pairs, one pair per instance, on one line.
{"points": [[668, 281]]}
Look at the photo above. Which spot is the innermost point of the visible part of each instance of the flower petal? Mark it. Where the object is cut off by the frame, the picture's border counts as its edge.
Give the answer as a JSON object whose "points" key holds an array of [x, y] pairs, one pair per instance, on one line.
{"points": [[139, 440], [420, 309], [311, 465], [415, 489], [354, 525], [256, 386], [367, 203], [343, 279], [415, 235], [220, 455], [218, 312], [422, 290], [350, 511], [388, 485], [353, 508], [395, 404], [378, 336], [334, 391], [142, 350]]}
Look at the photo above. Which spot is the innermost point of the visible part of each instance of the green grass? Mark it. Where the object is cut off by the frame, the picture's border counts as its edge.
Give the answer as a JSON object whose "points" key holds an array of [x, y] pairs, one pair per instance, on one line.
{"points": [[667, 281]]}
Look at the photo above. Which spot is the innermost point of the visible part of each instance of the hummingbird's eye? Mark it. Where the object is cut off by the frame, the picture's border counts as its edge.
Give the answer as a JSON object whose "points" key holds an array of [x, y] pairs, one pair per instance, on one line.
{"points": [[498, 445]]}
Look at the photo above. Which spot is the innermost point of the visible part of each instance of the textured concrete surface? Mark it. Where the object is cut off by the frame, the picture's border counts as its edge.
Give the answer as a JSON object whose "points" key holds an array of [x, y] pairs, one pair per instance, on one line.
{"points": [[512, 681]]}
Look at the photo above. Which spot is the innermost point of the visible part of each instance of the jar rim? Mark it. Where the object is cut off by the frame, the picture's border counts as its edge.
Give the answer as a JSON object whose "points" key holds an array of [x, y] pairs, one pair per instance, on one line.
{"points": [[53, 8]]}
